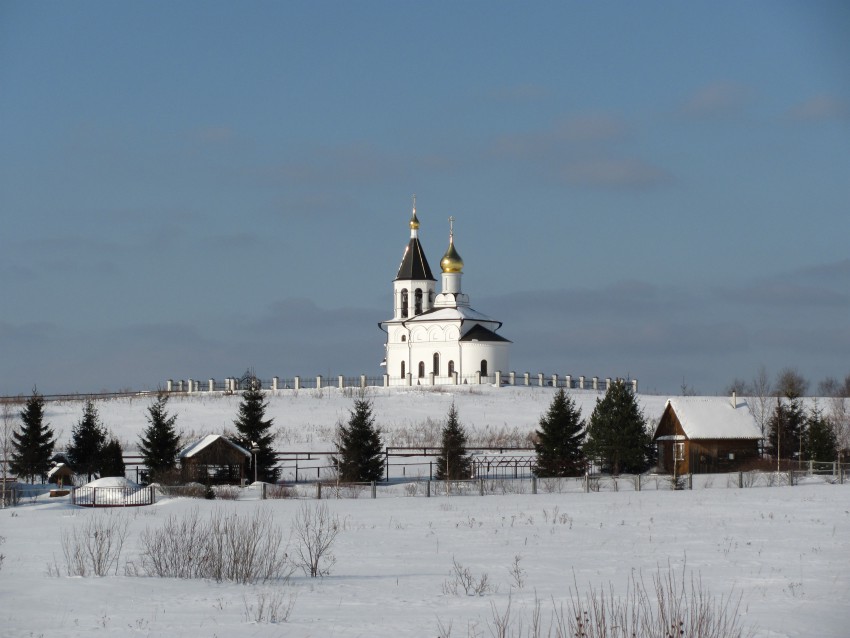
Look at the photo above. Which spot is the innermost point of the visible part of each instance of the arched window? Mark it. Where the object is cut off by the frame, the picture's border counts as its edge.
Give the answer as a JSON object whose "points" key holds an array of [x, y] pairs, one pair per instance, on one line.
{"points": [[403, 338], [421, 369], [451, 368], [403, 375], [436, 369], [417, 302], [404, 303], [483, 367]]}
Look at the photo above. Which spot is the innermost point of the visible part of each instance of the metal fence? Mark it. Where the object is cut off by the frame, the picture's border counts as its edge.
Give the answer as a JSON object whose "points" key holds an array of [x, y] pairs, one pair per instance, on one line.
{"points": [[113, 496]]}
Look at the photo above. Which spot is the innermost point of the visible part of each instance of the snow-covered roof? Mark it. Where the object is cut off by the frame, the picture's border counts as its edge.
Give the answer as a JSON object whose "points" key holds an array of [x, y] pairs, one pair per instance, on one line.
{"points": [[112, 481], [56, 469], [714, 418], [196, 447], [451, 314]]}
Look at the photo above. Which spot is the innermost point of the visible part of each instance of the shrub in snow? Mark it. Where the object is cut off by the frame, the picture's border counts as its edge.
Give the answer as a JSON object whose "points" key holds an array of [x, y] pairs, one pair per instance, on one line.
{"points": [[94, 547], [224, 547], [315, 529]]}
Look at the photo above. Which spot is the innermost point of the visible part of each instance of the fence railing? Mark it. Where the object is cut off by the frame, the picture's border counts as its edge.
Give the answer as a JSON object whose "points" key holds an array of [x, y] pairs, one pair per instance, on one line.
{"points": [[113, 496]]}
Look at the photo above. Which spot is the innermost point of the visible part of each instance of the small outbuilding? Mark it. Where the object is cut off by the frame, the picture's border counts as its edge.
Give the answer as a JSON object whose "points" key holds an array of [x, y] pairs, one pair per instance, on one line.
{"points": [[706, 434], [61, 474], [214, 459]]}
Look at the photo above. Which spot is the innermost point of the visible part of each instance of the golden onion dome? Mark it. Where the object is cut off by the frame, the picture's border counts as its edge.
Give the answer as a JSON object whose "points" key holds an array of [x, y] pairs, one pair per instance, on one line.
{"points": [[414, 221], [451, 261]]}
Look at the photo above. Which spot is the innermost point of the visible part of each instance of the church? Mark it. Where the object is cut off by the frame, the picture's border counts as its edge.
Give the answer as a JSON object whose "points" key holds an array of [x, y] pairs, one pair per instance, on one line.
{"points": [[438, 339]]}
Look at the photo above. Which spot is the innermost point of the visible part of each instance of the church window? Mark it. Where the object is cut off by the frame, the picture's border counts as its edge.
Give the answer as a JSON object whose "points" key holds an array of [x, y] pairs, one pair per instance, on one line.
{"points": [[404, 303], [403, 338], [403, 375], [417, 307], [436, 364], [451, 368], [421, 369], [483, 367]]}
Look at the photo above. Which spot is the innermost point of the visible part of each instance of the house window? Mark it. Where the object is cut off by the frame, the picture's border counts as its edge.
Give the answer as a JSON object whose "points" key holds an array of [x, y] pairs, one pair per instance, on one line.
{"points": [[451, 368], [680, 451], [403, 375], [483, 367], [421, 369], [436, 368], [404, 303], [417, 308]]}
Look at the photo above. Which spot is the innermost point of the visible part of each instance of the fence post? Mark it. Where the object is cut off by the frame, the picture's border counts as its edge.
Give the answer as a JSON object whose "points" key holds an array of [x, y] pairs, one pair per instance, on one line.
{"points": [[264, 492], [73, 496], [341, 381], [581, 382], [811, 467], [690, 480], [790, 477], [512, 378], [637, 482], [533, 484], [275, 383], [498, 378], [93, 496], [740, 479], [318, 490], [362, 381], [153, 494], [386, 381], [374, 490], [428, 488], [296, 383], [586, 483], [525, 378], [480, 487], [319, 382]]}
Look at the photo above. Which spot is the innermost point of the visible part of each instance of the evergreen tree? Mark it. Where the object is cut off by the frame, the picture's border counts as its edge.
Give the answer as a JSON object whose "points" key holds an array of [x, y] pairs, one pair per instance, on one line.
{"points": [[112, 459], [359, 456], [616, 435], [820, 440], [87, 441], [785, 428], [253, 429], [160, 443], [453, 463], [559, 439], [32, 445]]}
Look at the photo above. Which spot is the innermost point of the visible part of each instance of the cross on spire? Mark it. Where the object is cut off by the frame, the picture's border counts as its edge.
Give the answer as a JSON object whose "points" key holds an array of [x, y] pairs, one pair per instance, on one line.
{"points": [[451, 227]]}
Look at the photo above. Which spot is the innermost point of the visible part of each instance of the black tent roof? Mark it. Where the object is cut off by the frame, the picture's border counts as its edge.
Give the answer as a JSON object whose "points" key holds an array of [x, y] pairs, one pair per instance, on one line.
{"points": [[413, 264], [480, 333]]}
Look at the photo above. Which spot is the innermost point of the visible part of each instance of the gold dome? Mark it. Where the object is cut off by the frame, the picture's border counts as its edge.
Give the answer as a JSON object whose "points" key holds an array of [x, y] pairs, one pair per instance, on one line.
{"points": [[451, 261], [414, 221]]}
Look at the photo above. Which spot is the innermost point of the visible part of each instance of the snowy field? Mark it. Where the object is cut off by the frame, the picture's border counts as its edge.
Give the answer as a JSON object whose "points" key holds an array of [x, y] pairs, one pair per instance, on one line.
{"points": [[784, 550]]}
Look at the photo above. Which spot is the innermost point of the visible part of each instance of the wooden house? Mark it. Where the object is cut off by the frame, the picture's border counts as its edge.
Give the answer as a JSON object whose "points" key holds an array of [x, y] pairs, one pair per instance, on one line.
{"points": [[214, 459], [706, 434], [61, 474]]}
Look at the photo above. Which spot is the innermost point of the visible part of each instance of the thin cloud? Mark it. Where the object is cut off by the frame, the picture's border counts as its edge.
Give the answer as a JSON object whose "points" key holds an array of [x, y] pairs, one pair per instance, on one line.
{"points": [[820, 108], [719, 99], [592, 127], [521, 93], [615, 173]]}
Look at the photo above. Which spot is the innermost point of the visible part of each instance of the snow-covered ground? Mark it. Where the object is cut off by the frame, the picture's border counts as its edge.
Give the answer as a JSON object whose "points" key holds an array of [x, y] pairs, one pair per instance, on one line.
{"points": [[784, 550]]}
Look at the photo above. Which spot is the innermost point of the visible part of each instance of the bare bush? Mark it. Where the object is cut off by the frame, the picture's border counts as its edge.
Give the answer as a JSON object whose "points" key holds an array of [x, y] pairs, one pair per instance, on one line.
{"points": [[280, 491], [2, 556], [94, 547], [315, 529], [227, 492], [462, 578], [224, 547], [517, 573], [269, 606]]}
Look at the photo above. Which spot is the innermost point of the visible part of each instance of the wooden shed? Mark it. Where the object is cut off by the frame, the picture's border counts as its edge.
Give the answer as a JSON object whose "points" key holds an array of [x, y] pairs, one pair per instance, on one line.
{"points": [[61, 474], [214, 459], [706, 434]]}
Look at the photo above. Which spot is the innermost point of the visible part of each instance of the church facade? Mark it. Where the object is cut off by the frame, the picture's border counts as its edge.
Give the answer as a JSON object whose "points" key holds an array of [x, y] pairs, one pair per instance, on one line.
{"points": [[437, 338]]}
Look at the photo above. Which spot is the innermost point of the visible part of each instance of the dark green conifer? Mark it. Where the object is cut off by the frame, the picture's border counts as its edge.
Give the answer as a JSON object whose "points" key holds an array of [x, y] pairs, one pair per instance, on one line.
{"points": [[87, 440], [254, 429], [359, 456], [616, 435], [160, 443], [453, 463], [559, 439], [32, 444]]}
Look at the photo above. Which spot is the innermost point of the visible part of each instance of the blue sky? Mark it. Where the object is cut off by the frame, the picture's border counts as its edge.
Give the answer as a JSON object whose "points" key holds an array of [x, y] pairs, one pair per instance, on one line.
{"points": [[653, 189]]}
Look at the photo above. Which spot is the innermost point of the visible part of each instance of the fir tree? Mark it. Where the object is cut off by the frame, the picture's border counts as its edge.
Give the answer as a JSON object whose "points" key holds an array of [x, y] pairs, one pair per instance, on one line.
{"points": [[112, 459], [785, 428], [616, 435], [453, 463], [359, 456], [559, 439], [820, 441], [32, 445], [254, 429], [160, 443], [87, 441]]}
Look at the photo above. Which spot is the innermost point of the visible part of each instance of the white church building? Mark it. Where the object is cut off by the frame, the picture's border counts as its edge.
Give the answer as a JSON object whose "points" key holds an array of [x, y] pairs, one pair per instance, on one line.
{"points": [[438, 339]]}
